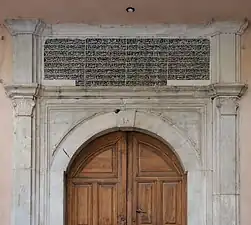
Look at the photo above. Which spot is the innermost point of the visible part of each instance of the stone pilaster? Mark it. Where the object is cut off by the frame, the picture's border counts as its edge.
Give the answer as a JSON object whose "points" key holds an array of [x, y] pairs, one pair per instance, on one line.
{"points": [[27, 52], [226, 161], [24, 99]]}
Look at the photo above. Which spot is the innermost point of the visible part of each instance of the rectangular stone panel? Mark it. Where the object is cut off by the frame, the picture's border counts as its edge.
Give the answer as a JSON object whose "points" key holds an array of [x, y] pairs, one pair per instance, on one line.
{"points": [[126, 61]]}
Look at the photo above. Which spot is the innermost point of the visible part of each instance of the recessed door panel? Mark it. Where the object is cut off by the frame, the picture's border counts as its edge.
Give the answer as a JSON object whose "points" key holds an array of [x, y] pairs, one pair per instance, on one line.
{"points": [[126, 178]]}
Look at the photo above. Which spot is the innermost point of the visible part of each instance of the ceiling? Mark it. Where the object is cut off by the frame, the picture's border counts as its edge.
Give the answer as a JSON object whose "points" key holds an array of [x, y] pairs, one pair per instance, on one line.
{"points": [[114, 11]]}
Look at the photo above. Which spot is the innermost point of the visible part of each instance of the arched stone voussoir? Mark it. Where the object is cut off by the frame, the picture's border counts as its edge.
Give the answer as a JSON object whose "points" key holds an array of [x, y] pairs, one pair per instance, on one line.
{"points": [[127, 119]]}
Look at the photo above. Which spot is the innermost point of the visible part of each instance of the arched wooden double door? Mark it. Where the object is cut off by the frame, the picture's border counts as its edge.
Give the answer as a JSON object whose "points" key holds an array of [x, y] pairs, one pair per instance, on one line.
{"points": [[126, 178]]}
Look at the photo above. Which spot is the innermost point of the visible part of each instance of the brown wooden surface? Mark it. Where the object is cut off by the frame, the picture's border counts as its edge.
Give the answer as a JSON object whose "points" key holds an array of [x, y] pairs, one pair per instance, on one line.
{"points": [[126, 178]]}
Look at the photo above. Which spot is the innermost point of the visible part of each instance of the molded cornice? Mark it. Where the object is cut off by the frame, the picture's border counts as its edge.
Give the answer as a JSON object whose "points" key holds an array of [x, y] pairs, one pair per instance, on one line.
{"points": [[195, 91], [37, 26]]}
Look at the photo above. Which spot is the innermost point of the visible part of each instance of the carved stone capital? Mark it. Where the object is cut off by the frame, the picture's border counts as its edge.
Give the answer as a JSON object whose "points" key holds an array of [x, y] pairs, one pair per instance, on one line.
{"points": [[23, 98], [227, 105], [234, 27], [21, 26], [228, 90], [23, 106], [227, 96]]}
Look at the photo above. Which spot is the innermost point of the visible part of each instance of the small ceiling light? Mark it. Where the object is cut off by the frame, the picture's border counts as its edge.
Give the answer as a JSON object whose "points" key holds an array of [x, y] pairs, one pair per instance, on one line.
{"points": [[130, 9]]}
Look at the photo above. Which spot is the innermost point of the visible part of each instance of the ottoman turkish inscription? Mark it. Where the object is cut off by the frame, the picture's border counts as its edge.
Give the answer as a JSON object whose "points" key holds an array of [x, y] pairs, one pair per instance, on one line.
{"points": [[126, 61]]}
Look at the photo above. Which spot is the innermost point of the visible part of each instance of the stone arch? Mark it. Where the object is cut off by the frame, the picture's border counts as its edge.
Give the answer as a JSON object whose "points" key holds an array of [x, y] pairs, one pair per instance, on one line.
{"points": [[130, 120]]}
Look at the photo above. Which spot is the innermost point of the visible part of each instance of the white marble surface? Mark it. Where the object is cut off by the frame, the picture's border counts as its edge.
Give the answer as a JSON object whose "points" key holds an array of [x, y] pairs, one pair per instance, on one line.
{"points": [[200, 123]]}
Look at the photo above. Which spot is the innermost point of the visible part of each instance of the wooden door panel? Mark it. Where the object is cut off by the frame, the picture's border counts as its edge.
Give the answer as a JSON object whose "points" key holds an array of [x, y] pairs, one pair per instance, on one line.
{"points": [[146, 203], [83, 204], [156, 183], [101, 163], [126, 178], [95, 204], [96, 190], [149, 162], [171, 201], [107, 204]]}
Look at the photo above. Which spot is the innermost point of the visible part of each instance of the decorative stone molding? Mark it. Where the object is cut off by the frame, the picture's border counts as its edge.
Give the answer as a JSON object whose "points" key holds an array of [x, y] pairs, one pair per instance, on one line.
{"points": [[25, 27], [230, 27], [228, 89], [22, 90], [227, 97], [166, 30], [227, 105], [23, 98], [26, 49], [170, 91], [114, 92], [182, 91], [23, 107]]}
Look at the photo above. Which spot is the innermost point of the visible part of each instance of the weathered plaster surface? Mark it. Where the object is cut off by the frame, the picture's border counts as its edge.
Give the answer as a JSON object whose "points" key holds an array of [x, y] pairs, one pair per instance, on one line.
{"points": [[6, 129], [245, 131]]}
